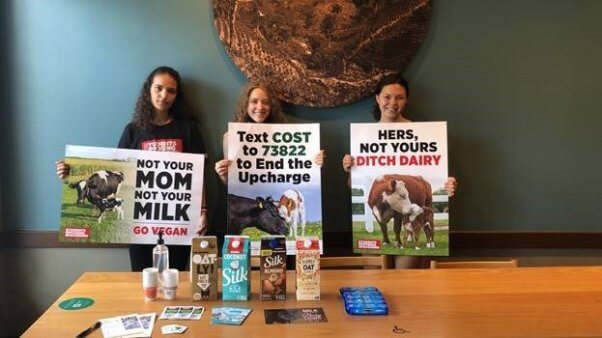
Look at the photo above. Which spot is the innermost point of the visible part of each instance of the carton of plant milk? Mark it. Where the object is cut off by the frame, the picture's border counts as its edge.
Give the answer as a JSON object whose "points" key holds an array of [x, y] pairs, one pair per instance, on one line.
{"points": [[203, 268], [272, 268], [236, 261], [308, 268]]}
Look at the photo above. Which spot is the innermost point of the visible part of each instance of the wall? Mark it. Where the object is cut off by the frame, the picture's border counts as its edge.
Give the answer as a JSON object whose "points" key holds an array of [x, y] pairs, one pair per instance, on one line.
{"points": [[517, 85], [516, 81]]}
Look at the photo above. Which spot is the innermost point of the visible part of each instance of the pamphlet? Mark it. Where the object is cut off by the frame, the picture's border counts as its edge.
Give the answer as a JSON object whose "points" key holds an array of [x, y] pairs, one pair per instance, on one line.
{"points": [[229, 315], [121, 326], [148, 322], [295, 316]]}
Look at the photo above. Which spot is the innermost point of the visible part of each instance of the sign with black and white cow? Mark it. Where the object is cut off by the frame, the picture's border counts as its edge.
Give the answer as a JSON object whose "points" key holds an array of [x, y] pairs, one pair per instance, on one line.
{"points": [[129, 196], [274, 184]]}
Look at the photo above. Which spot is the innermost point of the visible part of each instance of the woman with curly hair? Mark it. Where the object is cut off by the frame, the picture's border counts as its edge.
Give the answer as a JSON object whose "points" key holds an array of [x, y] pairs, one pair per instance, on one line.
{"points": [[256, 104], [162, 121]]}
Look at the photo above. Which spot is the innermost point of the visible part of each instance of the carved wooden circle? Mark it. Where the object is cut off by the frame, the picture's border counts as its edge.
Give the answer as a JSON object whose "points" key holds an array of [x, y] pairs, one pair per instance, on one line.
{"points": [[321, 53]]}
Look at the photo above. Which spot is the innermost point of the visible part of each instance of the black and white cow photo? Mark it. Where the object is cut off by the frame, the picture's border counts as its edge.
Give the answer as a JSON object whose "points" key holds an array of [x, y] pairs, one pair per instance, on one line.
{"points": [[100, 189]]}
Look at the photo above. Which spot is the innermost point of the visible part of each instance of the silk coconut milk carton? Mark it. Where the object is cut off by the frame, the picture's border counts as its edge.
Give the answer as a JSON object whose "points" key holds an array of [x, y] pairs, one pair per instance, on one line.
{"points": [[203, 268], [236, 261], [308, 268], [272, 269]]}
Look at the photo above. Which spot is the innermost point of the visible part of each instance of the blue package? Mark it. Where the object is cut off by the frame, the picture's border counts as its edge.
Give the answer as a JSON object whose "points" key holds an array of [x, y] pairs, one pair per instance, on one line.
{"points": [[364, 301]]}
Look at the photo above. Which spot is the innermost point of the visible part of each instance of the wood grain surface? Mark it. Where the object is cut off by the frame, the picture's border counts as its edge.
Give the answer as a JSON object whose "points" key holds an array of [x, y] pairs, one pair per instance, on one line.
{"points": [[521, 302]]}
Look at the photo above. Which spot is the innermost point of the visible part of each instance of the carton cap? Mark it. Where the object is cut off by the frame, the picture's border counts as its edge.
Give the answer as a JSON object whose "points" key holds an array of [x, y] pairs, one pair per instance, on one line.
{"points": [[273, 243], [311, 243], [236, 244]]}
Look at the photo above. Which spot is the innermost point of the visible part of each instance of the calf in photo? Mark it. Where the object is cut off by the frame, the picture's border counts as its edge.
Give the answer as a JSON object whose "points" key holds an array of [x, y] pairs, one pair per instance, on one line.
{"points": [[292, 208], [408, 201], [104, 204]]}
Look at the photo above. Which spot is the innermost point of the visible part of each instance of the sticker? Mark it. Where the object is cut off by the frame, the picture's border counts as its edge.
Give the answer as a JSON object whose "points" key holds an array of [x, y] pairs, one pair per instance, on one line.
{"points": [[76, 303]]}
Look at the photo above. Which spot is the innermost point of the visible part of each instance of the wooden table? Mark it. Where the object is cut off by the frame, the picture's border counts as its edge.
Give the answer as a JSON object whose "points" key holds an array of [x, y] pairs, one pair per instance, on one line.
{"points": [[522, 302]]}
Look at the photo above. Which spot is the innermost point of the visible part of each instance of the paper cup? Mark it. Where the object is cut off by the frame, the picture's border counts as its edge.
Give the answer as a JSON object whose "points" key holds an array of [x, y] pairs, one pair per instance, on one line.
{"points": [[170, 283], [150, 280]]}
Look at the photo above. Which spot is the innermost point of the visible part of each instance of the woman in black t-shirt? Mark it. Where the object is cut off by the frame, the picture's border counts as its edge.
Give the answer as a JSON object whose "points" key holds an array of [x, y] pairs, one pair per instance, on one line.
{"points": [[162, 121]]}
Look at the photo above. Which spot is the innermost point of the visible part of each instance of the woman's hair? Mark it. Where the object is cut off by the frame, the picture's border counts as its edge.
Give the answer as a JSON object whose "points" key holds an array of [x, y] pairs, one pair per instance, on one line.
{"points": [[241, 115], [143, 113], [385, 81]]}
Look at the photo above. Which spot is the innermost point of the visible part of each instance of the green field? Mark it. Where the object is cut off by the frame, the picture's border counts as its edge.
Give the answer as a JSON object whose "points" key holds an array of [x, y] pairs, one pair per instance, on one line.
{"points": [[85, 215], [441, 241], [311, 229]]}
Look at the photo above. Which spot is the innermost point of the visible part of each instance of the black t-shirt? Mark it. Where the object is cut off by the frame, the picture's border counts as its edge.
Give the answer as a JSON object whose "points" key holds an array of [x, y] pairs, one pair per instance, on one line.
{"points": [[176, 136]]}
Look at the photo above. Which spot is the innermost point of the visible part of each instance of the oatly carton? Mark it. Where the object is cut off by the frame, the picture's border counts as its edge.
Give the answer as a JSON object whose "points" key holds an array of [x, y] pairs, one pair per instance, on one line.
{"points": [[308, 268], [203, 268], [236, 261], [272, 268]]}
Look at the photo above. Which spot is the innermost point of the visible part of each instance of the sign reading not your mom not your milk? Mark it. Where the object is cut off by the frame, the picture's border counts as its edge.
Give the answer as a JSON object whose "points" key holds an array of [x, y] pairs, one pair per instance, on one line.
{"points": [[129, 196]]}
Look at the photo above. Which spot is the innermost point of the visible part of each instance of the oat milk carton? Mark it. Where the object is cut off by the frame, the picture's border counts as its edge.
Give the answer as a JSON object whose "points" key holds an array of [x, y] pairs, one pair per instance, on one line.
{"points": [[203, 268], [308, 268], [272, 268], [236, 261]]}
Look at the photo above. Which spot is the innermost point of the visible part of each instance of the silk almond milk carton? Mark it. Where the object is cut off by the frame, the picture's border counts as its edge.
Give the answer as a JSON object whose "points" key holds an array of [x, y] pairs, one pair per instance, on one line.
{"points": [[203, 268], [308, 268], [236, 262], [272, 269]]}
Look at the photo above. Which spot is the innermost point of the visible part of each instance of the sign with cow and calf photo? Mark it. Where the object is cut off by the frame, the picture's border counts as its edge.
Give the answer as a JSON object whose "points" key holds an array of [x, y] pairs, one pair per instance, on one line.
{"points": [[274, 184], [399, 204], [129, 196]]}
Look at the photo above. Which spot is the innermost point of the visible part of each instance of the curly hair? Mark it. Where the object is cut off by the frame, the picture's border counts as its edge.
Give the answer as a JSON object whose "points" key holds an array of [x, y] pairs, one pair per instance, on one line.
{"points": [[385, 81], [144, 111], [241, 115]]}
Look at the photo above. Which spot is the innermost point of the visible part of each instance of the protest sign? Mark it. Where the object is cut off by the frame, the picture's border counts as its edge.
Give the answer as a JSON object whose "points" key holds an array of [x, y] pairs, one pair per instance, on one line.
{"points": [[273, 183], [399, 205], [129, 196]]}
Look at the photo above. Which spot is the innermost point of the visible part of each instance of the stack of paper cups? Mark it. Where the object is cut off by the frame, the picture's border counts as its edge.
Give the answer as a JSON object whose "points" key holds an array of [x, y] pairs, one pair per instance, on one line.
{"points": [[150, 280], [170, 283]]}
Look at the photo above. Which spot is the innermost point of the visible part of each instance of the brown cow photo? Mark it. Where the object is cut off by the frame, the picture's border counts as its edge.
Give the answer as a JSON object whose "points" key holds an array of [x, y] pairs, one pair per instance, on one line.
{"points": [[407, 200]]}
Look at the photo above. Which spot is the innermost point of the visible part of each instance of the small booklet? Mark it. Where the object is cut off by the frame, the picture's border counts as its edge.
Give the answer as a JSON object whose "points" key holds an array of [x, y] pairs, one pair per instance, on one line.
{"points": [[182, 312], [197, 313], [121, 326], [295, 316], [169, 312], [229, 315]]}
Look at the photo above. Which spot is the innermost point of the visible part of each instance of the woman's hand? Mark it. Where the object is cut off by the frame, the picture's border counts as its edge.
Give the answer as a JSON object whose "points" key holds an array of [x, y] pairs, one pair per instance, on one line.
{"points": [[319, 159], [221, 168], [202, 226], [450, 186], [62, 169], [348, 162]]}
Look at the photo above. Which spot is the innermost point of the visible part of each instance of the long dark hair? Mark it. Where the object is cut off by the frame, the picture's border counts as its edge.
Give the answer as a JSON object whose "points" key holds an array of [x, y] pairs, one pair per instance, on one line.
{"points": [[385, 81], [143, 113]]}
